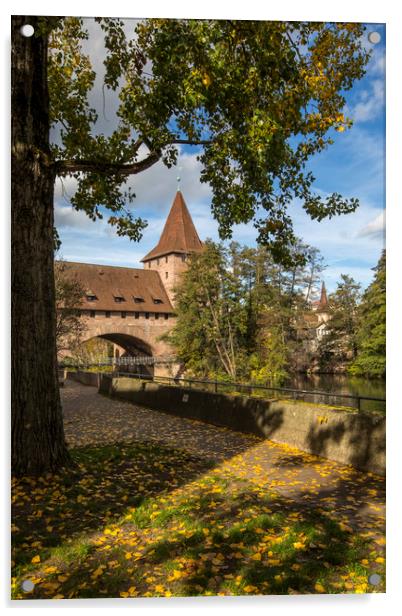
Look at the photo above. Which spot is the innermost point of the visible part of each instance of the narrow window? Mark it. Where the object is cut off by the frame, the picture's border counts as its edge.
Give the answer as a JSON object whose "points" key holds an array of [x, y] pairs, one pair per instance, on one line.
{"points": [[137, 315], [156, 315], [92, 313], [166, 274], [166, 259], [149, 264], [157, 261], [166, 316], [107, 314], [147, 315], [123, 315]]}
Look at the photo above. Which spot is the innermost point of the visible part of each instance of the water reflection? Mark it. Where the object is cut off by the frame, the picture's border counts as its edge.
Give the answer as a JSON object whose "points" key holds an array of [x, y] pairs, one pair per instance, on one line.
{"points": [[342, 384]]}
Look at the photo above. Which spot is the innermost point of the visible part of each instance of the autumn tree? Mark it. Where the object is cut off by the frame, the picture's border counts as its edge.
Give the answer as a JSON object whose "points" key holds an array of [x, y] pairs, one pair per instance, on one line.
{"points": [[257, 98], [70, 326]]}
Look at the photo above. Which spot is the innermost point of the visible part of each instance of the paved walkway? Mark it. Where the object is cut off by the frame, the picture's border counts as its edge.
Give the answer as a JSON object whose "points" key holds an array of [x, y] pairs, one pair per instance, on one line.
{"points": [[357, 498]]}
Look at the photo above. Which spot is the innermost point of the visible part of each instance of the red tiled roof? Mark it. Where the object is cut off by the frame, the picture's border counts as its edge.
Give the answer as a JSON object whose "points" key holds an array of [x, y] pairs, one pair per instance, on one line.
{"points": [[107, 282], [179, 233]]}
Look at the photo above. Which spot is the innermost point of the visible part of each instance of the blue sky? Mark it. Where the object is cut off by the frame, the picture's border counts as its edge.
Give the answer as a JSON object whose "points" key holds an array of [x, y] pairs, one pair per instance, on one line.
{"points": [[353, 166]]}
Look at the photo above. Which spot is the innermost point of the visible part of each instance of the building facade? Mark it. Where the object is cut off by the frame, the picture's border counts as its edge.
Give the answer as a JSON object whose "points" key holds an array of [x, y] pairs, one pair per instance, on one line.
{"points": [[131, 307]]}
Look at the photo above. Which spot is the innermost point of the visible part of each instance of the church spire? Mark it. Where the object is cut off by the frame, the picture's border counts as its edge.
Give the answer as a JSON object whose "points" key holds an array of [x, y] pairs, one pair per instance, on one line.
{"points": [[179, 234], [323, 298]]}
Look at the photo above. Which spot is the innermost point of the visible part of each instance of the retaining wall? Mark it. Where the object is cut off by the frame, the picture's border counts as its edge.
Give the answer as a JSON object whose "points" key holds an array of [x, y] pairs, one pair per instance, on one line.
{"points": [[86, 378], [344, 436]]}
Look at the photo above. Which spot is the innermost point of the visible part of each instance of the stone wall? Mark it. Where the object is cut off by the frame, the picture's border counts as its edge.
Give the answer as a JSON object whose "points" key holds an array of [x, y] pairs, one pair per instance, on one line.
{"points": [[85, 378], [348, 437]]}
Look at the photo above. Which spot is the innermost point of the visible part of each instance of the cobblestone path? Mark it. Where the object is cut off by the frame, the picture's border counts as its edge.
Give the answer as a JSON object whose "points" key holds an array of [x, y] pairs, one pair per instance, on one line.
{"points": [[357, 498]]}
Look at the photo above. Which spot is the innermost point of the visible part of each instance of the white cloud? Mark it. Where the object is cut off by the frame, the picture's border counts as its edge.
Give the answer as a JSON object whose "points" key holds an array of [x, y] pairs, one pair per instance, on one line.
{"points": [[374, 229], [371, 102], [66, 217]]}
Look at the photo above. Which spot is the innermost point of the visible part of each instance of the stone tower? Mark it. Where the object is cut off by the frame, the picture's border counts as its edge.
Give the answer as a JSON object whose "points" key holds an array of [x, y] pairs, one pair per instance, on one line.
{"points": [[179, 239]]}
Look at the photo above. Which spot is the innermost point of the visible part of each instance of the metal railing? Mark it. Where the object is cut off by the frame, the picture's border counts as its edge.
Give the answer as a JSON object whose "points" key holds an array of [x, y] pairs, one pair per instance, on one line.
{"points": [[250, 389], [140, 360]]}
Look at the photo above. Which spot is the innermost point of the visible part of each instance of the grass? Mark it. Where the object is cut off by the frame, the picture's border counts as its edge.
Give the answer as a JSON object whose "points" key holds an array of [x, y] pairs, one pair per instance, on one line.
{"points": [[140, 519]]}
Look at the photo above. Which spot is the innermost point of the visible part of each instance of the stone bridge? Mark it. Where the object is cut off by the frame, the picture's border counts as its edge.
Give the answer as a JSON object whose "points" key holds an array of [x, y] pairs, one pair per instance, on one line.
{"points": [[135, 336]]}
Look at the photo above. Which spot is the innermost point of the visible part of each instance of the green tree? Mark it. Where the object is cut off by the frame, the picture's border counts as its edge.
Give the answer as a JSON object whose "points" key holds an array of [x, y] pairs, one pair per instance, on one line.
{"points": [[258, 98], [210, 331], [371, 359], [339, 345], [92, 351]]}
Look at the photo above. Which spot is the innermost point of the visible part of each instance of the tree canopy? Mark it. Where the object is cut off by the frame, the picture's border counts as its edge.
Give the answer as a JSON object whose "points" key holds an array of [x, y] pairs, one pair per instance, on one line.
{"points": [[371, 340], [258, 98], [238, 312], [339, 346]]}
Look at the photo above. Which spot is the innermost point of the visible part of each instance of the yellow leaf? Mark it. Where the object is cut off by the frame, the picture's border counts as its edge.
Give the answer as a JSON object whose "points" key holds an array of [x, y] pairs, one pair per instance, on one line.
{"points": [[98, 572], [319, 587], [176, 575], [250, 588], [50, 570], [36, 559], [58, 597], [298, 545], [128, 555], [159, 588], [380, 559], [256, 556]]}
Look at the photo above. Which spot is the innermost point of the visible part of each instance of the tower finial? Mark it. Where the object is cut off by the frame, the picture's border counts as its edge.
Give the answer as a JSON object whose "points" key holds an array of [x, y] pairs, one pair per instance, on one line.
{"points": [[178, 179]]}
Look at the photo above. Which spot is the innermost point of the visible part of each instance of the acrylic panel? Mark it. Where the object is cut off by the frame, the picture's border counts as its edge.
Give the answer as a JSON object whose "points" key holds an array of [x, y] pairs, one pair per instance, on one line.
{"points": [[198, 308]]}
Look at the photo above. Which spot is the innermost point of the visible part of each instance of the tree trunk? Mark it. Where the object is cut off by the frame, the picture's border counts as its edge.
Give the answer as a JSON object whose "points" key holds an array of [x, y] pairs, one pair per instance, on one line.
{"points": [[38, 443]]}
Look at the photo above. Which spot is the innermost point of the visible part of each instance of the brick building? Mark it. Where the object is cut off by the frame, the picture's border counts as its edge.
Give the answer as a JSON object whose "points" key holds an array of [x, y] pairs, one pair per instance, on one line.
{"points": [[133, 307]]}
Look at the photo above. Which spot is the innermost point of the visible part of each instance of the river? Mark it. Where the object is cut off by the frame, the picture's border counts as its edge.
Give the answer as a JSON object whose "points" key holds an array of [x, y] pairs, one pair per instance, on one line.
{"points": [[342, 384]]}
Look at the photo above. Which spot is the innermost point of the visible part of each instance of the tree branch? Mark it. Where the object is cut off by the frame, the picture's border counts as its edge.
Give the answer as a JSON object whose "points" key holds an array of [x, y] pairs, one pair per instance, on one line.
{"points": [[86, 165], [191, 142]]}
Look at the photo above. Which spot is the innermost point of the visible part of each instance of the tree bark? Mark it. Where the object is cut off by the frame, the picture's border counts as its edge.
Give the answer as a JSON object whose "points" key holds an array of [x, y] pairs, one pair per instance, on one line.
{"points": [[38, 443]]}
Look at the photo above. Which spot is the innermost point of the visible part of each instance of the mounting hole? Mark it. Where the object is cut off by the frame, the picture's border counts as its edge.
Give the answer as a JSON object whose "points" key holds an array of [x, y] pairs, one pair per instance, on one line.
{"points": [[27, 30], [27, 586], [374, 37], [374, 579]]}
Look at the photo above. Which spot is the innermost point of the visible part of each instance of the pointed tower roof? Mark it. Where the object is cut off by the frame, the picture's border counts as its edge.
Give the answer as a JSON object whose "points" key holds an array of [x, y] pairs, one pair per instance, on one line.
{"points": [[179, 233], [323, 298], [322, 305]]}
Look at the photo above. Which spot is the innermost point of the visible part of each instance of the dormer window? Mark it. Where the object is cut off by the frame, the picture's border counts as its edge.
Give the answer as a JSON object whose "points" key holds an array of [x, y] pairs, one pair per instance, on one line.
{"points": [[91, 297], [118, 296], [138, 299], [157, 300]]}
